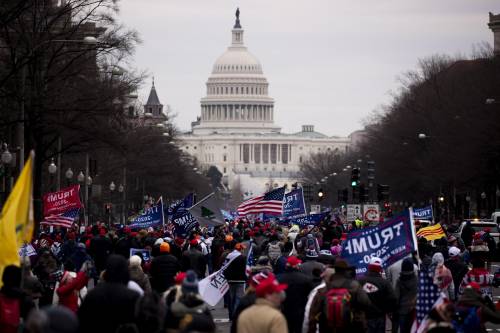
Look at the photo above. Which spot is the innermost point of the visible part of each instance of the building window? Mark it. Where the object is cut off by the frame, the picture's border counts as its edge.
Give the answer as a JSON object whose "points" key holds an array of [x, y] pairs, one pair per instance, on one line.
{"points": [[225, 147], [284, 169], [224, 158], [274, 153], [265, 153], [246, 153], [187, 147], [284, 154], [256, 153], [300, 159], [131, 111], [225, 170], [194, 147], [246, 169]]}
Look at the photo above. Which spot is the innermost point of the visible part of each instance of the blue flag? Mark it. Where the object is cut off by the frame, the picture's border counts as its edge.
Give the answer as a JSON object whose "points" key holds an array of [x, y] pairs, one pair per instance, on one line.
{"points": [[180, 206], [306, 220], [293, 203], [151, 217], [181, 218], [391, 241], [424, 213]]}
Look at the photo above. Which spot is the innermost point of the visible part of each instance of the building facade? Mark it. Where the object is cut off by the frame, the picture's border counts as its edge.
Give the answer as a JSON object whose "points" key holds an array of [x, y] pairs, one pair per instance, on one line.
{"points": [[236, 130]]}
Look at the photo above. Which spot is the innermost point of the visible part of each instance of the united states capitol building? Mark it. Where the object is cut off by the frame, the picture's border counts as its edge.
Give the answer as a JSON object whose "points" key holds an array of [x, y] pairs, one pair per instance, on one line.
{"points": [[236, 130]]}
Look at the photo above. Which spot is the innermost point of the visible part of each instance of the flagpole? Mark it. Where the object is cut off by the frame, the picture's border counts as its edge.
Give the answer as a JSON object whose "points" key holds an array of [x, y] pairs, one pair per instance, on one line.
{"points": [[202, 200]]}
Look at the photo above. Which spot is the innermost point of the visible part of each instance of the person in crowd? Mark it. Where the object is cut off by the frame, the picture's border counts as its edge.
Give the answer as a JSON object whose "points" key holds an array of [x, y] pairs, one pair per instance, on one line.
{"points": [[249, 298], [442, 276], [381, 295], [190, 313], [163, 269], [472, 305], [15, 304], [48, 273], [479, 274], [72, 285], [440, 319], [100, 248], [264, 315], [406, 297], [321, 288], [137, 274], [341, 287], [262, 264], [235, 274], [110, 305], [299, 286], [55, 319], [457, 268], [274, 249], [193, 259]]}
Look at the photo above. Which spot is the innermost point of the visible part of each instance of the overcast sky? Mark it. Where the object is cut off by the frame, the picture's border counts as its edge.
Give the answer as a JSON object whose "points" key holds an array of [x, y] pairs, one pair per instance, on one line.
{"points": [[329, 63]]}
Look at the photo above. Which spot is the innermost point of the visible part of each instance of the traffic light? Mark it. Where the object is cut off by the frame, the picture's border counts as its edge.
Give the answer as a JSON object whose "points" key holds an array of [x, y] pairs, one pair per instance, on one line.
{"points": [[382, 192], [355, 177]]}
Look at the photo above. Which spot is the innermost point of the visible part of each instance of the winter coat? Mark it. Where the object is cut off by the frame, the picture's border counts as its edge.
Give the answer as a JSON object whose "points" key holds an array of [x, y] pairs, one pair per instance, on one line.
{"points": [[270, 319], [236, 270], [245, 302], [137, 275], [458, 270], [195, 260], [381, 295], [163, 270], [299, 287], [100, 248], [481, 276], [359, 303], [406, 294], [189, 314], [69, 288], [107, 307]]}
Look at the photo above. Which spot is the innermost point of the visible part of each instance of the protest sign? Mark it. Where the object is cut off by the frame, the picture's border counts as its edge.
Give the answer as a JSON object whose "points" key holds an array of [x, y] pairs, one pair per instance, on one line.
{"points": [[143, 253], [293, 203], [151, 217], [27, 251], [390, 241], [371, 213], [353, 212], [179, 207], [61, 201], [184, 223], [424, 213]]}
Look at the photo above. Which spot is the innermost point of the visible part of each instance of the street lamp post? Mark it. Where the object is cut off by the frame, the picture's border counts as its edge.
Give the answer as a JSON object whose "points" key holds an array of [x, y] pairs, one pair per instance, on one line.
{"points": [[112, 188], [69, 175], [6, 159], [52, 170]]}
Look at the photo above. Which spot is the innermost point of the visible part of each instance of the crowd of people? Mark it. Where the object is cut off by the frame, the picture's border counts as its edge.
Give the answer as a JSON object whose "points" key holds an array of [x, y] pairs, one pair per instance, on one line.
{"points": [[280, 279]]}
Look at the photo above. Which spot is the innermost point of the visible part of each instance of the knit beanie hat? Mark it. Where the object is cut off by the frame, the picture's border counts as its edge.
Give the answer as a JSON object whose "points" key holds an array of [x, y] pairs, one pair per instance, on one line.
{"points": [[190, 283], [407, 266]]}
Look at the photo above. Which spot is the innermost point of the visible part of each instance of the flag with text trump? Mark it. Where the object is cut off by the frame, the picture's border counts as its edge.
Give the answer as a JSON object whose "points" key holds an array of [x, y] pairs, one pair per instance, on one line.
{"points": [[270, 203]]}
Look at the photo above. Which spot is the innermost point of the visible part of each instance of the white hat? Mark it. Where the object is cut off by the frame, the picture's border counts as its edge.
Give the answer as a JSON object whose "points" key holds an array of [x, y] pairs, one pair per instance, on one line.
{"points": [[453, 251], [135, 261], [159, 241], [375, 261]]}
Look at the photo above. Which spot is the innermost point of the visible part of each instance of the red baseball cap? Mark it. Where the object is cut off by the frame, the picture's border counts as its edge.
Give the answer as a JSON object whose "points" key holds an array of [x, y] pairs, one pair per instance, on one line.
{"points": [[179, 278], [269, 286], [193, 242], [293, 261], [257, 278]]}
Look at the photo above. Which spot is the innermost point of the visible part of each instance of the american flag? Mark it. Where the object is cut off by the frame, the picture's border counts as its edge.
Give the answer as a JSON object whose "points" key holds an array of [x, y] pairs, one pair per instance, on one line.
{"points": [[270, 203], [428, 296], [65, 219], [250, 260]]}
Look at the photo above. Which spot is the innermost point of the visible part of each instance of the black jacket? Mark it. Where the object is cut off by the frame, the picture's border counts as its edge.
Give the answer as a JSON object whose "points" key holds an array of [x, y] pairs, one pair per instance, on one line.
{"points": [[236, 270], [163, 270], [195, 260], [299, 286], [107, 307], [100, 248], [406, 293], [381, 295], [458, 270], [245, 302]]}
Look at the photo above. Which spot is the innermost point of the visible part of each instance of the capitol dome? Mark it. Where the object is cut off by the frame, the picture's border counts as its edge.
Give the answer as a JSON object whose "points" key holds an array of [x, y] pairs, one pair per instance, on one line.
{"points": [[237, 97]]}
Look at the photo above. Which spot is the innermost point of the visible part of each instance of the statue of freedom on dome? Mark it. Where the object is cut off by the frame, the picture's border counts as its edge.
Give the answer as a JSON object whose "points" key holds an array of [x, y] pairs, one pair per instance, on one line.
{"points": [[238, 13], [237, 24]]}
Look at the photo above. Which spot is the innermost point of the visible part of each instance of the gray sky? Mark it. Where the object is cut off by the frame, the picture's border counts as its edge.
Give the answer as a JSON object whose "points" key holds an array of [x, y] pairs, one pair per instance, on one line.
{"points": [[329, 63]]}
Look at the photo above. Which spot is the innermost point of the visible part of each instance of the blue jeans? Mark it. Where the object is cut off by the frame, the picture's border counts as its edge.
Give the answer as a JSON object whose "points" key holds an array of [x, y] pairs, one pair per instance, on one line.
{"points": [[236, 291]]}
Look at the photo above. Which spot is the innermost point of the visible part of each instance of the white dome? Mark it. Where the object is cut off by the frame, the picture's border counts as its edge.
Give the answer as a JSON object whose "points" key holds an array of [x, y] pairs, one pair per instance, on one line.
{"points": [[237, 60]]}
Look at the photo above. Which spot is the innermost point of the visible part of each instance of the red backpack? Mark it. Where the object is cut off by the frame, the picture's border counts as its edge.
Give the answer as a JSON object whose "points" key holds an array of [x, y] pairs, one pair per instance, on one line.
{"points": [[10, 314], [337, 308]]}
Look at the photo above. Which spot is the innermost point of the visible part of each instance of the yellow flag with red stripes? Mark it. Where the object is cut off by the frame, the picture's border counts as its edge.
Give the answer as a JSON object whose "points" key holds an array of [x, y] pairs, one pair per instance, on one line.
{"points": [[432, 232]]}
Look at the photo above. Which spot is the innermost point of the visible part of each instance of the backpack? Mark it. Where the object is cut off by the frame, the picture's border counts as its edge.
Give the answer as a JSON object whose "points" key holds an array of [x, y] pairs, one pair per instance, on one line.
{"points": [[337, 308], [311, 244], [10, 314], [467, 320], [273, 251]]}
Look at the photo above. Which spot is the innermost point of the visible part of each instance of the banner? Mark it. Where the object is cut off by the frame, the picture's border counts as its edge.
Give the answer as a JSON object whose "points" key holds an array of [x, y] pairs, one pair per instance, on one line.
{"points": [[145, 254], [304, 221], [229, 215], [207, 211], [424, 213], [61, 201], [151, 217], [390, 241], [431, 232], [180, 206], [293, 203], [213, 287], [371, 213]]}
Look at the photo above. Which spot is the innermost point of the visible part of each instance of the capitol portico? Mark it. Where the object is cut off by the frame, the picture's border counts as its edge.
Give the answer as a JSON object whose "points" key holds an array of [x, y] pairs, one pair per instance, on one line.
{"points": [[236, 130]]}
